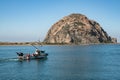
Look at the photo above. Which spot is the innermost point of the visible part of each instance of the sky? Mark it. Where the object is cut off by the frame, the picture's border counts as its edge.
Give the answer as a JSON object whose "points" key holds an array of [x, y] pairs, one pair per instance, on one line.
{"points": [[30, 20]]}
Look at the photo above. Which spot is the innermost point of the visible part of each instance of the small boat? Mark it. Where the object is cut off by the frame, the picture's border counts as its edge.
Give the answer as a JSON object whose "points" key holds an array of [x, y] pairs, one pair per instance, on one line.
{"points": [[22, 56], [39, 54]]}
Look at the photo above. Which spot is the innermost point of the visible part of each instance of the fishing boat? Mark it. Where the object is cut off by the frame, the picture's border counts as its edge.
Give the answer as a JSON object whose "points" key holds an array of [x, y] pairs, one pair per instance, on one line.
{"points": [[22, 56], [39, 54]]}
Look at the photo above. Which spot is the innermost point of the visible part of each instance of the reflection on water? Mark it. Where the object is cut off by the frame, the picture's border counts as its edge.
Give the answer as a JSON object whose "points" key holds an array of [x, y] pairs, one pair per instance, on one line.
{"points": [[85, 62]]}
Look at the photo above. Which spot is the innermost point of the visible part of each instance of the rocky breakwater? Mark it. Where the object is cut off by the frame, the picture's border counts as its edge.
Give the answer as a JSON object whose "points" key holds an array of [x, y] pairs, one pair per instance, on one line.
{"points": [[77, 29]]}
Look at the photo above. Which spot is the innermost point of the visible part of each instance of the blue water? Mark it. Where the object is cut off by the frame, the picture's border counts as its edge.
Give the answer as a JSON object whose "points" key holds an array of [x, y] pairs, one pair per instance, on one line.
{"points": [[85, 62]]}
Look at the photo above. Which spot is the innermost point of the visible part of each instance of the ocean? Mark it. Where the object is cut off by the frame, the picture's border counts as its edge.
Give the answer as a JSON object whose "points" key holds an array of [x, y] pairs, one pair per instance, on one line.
{"points": [[75, 62]]}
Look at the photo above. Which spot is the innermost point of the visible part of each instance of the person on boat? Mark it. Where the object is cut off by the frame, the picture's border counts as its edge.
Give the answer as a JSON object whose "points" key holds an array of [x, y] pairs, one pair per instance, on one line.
{"points": [[37, 52], [28, 56]]}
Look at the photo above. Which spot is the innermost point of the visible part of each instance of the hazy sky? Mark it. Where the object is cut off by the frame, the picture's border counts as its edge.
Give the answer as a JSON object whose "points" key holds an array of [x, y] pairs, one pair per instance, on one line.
{"points": [[29, 20]]}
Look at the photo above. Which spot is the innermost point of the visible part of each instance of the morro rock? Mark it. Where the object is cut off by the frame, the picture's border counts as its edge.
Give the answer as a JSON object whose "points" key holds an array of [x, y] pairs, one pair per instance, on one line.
{"points": [[77, 29]]}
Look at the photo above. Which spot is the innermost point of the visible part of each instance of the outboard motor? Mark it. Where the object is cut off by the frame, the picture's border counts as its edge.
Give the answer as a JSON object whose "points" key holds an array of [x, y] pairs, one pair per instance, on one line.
{"points": [[19, 53]]}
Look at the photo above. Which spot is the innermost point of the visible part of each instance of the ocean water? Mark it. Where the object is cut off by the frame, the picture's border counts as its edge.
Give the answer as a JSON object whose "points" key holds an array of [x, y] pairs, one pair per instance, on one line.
{"points": [[84, 62]]}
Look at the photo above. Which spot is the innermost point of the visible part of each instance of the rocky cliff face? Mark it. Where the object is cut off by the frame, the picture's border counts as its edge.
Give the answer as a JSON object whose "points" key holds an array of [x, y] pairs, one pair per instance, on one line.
{"points": [[77, 29]]}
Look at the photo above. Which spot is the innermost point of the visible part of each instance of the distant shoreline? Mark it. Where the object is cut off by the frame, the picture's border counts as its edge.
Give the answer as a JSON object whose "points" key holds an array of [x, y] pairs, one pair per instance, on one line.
{"points": [[17, 43], [36, 43]]}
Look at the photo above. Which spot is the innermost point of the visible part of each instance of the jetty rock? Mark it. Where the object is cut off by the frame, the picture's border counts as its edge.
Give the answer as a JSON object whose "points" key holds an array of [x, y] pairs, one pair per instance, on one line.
{"points": [[77, 29]]}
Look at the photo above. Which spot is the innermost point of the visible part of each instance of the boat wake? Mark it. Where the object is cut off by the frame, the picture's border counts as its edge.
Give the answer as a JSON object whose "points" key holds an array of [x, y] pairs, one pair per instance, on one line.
{"points": [[16, 59], [8, 59]]}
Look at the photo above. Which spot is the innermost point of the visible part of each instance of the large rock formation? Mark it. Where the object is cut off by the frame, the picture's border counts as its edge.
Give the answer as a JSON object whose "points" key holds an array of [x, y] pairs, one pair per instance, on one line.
{"points": [[77, 29]]}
